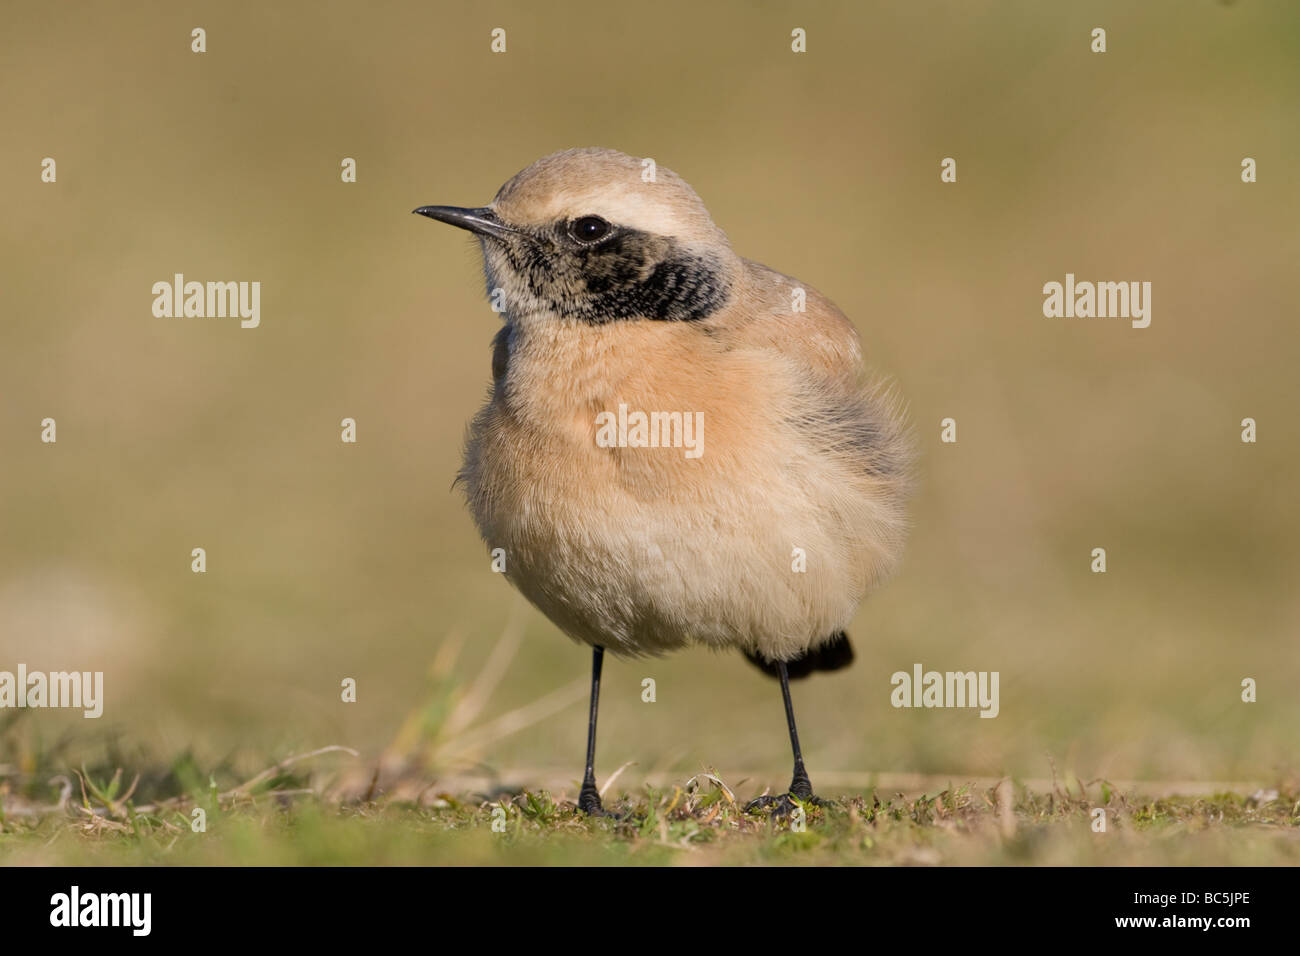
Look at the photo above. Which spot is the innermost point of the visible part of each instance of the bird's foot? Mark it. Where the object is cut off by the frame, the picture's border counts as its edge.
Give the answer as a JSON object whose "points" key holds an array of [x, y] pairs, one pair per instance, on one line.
{"points": [[589, 803], [784, 804]]}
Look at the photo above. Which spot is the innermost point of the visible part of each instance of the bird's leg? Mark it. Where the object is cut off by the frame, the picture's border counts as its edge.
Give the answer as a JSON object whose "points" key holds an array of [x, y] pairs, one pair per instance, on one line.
{"points": [[800, 785], [589, 796]]}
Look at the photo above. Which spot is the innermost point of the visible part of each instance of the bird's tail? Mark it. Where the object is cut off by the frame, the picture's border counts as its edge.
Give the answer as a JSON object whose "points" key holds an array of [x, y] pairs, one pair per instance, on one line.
{"points": [[835, 654]]}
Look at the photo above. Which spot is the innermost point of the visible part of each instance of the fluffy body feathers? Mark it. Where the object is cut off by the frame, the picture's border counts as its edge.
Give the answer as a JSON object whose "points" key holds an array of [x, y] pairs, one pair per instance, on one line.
{"points": [[644, 550]]}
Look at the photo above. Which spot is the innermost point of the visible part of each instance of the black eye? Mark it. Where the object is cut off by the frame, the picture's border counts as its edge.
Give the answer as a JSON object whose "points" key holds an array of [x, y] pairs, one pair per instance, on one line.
{"points": [[589, 229]]}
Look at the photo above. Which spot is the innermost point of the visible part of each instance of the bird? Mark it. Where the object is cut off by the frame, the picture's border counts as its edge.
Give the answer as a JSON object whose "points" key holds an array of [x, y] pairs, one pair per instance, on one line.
{"points": [[758, 524]]}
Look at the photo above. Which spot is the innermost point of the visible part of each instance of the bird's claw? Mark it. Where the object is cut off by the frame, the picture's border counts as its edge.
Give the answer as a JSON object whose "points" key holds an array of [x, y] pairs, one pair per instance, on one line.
{"points": [[589, 803], [784, 804]]}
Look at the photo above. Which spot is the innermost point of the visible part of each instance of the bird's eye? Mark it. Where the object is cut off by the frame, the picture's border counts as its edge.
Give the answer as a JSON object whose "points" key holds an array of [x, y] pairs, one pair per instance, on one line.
{"points": [[589, 229]]}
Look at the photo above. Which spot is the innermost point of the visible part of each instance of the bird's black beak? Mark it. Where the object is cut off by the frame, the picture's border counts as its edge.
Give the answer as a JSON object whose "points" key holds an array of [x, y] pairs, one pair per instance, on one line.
{"points": [[482, 220]]}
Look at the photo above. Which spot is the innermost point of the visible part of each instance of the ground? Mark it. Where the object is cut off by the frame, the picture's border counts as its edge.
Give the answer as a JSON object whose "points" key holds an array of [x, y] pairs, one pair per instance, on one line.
{"points": [[285, 815]]}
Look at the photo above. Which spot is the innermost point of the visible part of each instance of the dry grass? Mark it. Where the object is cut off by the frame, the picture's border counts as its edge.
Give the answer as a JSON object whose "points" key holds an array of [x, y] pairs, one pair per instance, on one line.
{"points": [[423, 801], [279, 818]]}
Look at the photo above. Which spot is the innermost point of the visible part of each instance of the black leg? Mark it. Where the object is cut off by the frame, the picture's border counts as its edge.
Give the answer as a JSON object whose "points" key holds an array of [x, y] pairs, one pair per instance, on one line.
{"points": [[800, 785], [589, 796]]}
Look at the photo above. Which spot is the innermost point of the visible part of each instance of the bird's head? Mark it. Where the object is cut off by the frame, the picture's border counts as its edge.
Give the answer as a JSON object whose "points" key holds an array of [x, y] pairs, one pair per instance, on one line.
{"points": [[596, 236]]}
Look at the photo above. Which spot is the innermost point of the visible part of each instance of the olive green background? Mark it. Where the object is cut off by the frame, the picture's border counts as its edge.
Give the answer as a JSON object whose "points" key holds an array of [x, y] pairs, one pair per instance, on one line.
{"points": [[328, 560]]}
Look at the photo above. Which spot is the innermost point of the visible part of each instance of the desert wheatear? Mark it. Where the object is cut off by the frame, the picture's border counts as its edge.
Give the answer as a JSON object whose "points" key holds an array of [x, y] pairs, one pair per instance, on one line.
{"points": [[681, 446]]}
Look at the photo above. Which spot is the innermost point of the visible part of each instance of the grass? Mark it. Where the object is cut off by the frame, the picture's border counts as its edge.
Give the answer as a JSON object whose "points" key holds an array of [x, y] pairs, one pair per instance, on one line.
{"points": [[285, 816], [427, 799]]}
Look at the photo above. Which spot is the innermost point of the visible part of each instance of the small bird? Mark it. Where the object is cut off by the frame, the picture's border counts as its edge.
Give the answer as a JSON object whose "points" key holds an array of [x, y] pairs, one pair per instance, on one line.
{"points": [[680, 447]]}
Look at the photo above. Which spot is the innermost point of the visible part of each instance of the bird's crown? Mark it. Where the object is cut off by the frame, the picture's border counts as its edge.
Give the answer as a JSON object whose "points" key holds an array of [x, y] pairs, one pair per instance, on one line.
{"points": [[621, 189]]}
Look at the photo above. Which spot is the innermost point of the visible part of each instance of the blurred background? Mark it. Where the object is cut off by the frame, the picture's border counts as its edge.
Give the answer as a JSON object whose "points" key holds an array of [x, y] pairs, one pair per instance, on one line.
{"points": [[327, 560]]}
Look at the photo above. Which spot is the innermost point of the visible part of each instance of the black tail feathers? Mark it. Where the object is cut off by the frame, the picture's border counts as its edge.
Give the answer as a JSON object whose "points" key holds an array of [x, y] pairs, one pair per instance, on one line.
{"points": [[835, 654]]}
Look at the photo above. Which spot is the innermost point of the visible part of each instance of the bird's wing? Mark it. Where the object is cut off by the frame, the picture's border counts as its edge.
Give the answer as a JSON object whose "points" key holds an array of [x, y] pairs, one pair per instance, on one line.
{"points": [[841, 407], [779, 312]]}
